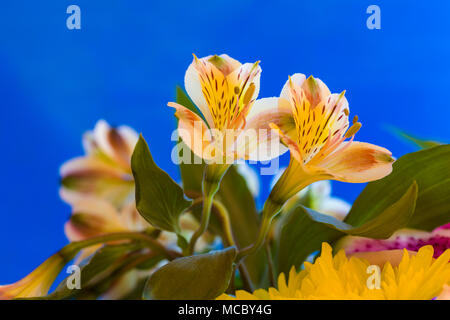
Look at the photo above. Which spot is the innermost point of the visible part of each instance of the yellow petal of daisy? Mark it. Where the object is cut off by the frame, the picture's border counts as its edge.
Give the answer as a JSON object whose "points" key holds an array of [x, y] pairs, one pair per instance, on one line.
{"points": [[416, 276]]}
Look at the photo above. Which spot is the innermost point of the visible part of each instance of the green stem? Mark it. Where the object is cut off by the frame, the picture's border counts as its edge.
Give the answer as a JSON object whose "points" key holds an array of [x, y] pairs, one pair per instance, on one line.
{"points": [[212, 176], [73, 248], [224, 217], [293, 179], [270, 264], [206, 213], [263, 231]]}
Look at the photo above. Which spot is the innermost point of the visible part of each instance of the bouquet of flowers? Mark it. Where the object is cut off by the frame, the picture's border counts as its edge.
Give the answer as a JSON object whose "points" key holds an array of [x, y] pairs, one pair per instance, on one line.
{"points": [[135, 233]]}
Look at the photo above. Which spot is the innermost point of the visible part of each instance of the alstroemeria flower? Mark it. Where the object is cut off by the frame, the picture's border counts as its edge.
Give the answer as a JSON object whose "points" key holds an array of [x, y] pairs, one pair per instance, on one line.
{"points": [[37, 283], [404, 275], [93, 217], [225, 92], [408, 239], [105, 170], [316, 132]]}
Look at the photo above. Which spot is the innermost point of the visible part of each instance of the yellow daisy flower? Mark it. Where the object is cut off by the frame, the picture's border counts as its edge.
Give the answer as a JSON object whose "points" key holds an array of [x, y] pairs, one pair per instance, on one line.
{"points": [[415, 276]]}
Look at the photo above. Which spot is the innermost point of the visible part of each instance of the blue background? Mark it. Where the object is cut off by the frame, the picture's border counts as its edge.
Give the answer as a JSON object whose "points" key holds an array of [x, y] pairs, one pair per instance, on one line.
{"points": [[124, 63]]}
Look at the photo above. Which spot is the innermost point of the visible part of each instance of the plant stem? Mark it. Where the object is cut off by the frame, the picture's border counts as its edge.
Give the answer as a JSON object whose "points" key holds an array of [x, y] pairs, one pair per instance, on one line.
{"points": [[263, 231], [72, 249], [224, 217], [212, 176], [246, 280], [206, 213], [270, 210], [270, 264]]}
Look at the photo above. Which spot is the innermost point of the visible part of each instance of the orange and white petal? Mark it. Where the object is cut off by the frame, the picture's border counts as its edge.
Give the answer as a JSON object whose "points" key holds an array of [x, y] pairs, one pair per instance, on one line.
{"points": [[92, 217], [243, 78], [37, 283], [112, 144], [297, 79], [315, 91], [288, 142], [194, 89], [192, 130], [224, 63], [215, 90], [358, 162], [267, 144], [130, 136], [93, 176], [132, 220], [337, 106]]}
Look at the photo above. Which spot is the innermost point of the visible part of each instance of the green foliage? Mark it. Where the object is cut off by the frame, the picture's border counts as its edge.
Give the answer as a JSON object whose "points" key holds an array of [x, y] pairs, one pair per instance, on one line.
{"points": [[422, 144], [303, 230], [430, 168], [159, 199], [98, 272], [199, 277]]}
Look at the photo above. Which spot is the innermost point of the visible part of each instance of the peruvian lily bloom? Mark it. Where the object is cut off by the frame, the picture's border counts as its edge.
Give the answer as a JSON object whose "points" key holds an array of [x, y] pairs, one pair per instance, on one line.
{"points": [[314, 124], [316, 133], [38, 282], [408, 239], [231, 125], [105, 170], [93, 217], [228, 129]]}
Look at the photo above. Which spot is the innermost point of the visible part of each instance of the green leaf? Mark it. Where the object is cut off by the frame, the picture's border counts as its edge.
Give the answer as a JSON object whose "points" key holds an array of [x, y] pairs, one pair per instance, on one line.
{"points": [[159, 199], [200, 277], [99, 267], [237, 198], [430, 168], [423, 144], [303, 230]]}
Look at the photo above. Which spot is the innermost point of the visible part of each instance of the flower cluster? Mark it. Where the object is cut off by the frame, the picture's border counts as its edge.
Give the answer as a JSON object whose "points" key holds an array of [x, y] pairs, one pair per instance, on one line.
{"points": [[136, 234]]}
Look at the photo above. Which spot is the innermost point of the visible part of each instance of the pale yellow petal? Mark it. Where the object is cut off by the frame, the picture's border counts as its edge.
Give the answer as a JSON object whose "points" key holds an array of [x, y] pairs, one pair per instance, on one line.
{"points": [[358, 162], [192, 130]]}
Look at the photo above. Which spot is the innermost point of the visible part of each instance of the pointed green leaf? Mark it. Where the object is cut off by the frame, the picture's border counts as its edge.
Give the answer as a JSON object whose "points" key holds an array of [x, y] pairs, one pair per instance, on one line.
{"points": [[303, 230], [200, 277], [423, 144], [159, 199], [430, 168]]}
